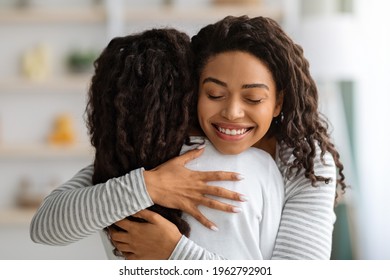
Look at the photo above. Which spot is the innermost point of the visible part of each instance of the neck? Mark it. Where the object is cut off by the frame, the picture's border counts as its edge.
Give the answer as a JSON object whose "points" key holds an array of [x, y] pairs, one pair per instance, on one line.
{"points": [[194, 131], [267, 144]]}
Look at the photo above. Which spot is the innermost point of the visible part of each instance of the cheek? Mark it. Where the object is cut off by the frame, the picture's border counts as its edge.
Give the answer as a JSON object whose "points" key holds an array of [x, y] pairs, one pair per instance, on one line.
{"points": [[206, 108], [264, 116], [200, 108]]}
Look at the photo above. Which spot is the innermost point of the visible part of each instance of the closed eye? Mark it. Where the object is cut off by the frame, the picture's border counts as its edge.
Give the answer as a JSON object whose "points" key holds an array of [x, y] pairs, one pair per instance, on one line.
{"points": [[214, 97], [254, 101]]}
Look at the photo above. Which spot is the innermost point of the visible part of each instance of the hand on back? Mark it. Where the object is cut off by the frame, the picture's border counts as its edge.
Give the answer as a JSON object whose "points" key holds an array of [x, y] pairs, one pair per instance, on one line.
{"points": [[172, 185]]}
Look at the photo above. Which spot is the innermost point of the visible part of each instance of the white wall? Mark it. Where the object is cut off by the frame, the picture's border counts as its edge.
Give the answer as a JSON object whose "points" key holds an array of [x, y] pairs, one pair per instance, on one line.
{"points": [[15, 244], [356, 47], [373, 129]]}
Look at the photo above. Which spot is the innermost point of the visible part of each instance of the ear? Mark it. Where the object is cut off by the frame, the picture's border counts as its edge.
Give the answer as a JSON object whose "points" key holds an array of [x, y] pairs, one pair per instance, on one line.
{"points": [[278, 104]]}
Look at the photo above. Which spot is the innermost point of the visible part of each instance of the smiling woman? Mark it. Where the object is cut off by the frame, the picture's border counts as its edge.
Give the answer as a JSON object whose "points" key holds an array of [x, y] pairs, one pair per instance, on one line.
{"points": [[237, 101]]}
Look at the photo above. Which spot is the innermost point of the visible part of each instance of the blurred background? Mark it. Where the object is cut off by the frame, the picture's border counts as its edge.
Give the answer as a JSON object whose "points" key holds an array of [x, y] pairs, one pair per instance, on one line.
{"points": [[46, 54]]}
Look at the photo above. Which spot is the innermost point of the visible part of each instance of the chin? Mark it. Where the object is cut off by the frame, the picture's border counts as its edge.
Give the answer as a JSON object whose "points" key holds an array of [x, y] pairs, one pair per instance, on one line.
{"points": [[229, 151]]}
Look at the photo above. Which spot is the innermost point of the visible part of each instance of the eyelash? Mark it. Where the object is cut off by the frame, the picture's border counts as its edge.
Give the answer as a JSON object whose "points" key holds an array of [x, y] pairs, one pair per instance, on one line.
{"points": [[251, 101], [258, 101], [213, 97]]}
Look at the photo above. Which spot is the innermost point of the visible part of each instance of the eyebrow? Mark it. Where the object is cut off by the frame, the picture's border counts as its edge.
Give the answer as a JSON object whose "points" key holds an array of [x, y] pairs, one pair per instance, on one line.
{"points": [[246, 86]]}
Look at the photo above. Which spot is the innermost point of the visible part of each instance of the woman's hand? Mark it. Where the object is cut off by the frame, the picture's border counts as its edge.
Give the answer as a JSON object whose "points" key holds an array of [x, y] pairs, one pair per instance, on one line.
{"points": [[143, 241], [172, 185]]}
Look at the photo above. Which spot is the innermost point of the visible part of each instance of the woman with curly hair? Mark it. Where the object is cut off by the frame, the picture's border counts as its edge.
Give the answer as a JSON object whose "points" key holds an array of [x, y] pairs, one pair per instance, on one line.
{"points": [[297, 139]]}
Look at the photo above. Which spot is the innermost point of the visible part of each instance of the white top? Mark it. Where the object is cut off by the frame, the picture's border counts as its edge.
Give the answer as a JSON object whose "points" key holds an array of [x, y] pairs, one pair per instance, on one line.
{"points": [[251, 233]]}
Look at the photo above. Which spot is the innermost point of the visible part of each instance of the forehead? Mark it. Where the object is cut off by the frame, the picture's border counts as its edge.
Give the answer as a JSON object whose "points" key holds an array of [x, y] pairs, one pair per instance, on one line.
{"points": [[237, 67]]}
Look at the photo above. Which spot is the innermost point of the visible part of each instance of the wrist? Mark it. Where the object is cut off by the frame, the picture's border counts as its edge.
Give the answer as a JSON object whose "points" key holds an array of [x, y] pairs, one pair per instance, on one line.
{"points": [[173, 244], [177, 251], [150, 179]]}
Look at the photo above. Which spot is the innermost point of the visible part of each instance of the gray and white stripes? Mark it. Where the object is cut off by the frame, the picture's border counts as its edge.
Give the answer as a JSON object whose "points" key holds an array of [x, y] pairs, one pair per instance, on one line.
{"points": [[306, 226], [76, 210]]}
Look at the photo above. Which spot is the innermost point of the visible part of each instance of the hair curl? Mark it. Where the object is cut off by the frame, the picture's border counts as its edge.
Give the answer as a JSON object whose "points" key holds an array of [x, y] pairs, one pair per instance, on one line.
{"points": [[139, 104], [300, 125]]}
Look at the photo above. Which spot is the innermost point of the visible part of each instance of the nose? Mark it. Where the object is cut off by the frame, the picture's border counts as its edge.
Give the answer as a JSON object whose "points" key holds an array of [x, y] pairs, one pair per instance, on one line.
{"points": [[233, 110]]}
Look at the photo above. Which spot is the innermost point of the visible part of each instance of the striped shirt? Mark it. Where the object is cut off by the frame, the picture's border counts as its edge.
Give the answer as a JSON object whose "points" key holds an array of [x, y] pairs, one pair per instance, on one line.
{"points": [[76, 210]]}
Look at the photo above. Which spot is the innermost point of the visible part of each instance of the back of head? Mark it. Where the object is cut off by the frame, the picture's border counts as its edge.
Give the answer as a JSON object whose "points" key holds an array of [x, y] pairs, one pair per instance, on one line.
{"points": [[139, 101]]}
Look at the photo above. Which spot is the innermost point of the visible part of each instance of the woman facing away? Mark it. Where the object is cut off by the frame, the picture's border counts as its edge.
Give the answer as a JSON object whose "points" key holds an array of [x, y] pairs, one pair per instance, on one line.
{"points": [[143, 87], [140, 93], [298, 140]]}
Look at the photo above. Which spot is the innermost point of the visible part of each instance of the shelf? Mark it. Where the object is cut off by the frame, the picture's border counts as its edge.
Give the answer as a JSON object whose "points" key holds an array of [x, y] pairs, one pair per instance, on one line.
{"points": [[98, 14], [46, 151], [16, 216], [208, 14], [76, 83], [67, 15]]}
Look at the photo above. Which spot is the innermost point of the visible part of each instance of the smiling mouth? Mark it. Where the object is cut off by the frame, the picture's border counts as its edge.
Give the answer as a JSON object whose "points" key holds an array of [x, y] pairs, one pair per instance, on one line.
{"points": [[232, 131]]}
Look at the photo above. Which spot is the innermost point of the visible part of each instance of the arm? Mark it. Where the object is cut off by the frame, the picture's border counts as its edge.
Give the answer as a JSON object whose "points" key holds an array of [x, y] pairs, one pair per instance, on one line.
{"points": [[189, 250], [138, 241], [77, 209], [306, 226]]}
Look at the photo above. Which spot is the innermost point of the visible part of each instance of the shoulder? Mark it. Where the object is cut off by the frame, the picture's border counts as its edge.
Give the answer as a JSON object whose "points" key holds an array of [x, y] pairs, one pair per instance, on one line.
{"points": [[257, 155], [324, 165], [86, 172], [84, 176], [252, 159]]}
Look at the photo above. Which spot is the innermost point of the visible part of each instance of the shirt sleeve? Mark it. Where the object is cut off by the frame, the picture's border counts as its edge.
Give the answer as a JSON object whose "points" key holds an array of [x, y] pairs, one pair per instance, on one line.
{"points": [[77, 209], [186, 249], [308, 216]]}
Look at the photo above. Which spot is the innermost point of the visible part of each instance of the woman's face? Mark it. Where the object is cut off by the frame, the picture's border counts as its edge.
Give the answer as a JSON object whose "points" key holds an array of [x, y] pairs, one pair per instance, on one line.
{"points": [[237, 101]]}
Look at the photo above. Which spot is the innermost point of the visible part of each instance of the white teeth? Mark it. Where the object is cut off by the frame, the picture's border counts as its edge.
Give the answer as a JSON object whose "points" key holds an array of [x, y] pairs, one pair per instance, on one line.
{"points": [[228, 131]]}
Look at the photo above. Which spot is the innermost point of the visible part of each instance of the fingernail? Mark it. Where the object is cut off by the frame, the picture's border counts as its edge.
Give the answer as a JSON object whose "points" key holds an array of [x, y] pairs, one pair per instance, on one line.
{"points": [[214, 228], [201, 146], [240, 177], [237, 209], [243, 198]]}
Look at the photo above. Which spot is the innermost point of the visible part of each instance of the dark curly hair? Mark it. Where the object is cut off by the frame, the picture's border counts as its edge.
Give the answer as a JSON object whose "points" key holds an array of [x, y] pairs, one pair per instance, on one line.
{"points": [[300, 125], [139, 104]]}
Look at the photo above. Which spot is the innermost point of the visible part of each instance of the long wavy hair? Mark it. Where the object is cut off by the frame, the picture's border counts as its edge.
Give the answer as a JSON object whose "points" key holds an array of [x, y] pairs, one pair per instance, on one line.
{"points": [[139, 103], [300, 125]]}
